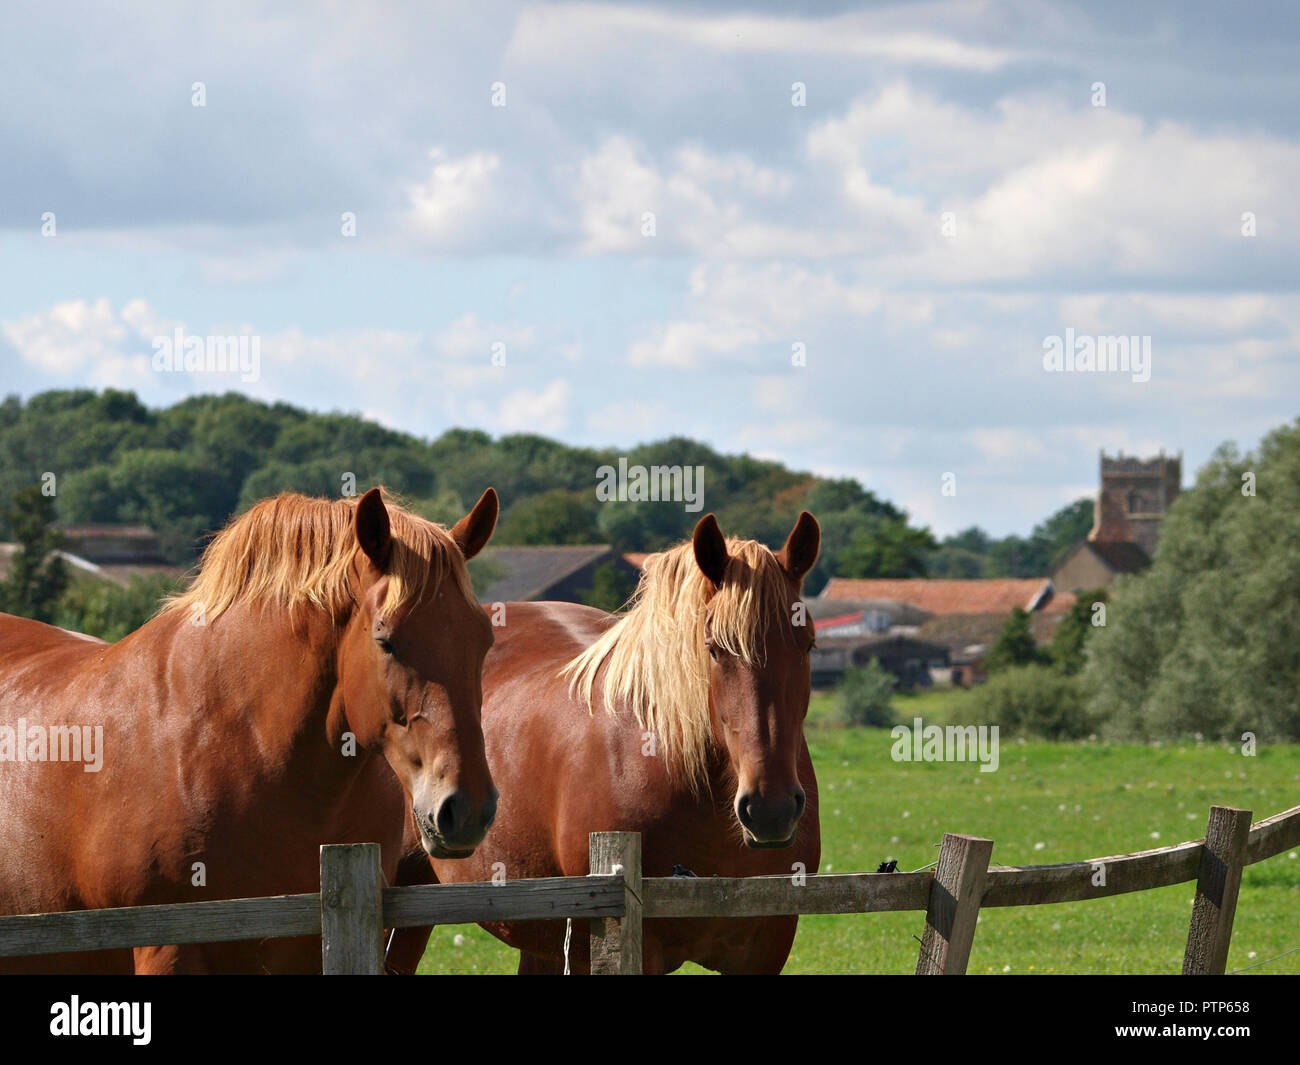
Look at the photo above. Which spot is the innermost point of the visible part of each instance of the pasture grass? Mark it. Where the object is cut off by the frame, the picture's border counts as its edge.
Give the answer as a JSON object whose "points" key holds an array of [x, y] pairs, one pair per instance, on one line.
{"points": [[1048, 802]]}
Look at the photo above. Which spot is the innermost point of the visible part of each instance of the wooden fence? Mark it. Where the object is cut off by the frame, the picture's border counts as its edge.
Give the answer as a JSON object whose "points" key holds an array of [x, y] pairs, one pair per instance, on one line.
{"points": [[354, 907]]}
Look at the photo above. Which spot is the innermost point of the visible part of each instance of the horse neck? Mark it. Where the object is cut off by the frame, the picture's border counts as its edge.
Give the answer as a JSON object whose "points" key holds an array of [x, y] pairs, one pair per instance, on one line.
{"points": [[261, 674]]}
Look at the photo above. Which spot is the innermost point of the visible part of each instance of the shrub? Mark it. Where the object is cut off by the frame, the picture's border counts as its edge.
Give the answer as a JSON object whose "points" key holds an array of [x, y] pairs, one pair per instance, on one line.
{"points": [[863, 696], [1014, 646], [104, 609], [1029, 701]]}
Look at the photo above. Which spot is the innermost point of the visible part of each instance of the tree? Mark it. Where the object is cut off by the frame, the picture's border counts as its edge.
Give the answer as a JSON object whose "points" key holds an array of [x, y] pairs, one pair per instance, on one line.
{"points": [[555, 517], [1014, 645], [37, 575], [1067, 648], [884, 547], [611, 587], [955, 562], [1204, 640], [973, 553]]}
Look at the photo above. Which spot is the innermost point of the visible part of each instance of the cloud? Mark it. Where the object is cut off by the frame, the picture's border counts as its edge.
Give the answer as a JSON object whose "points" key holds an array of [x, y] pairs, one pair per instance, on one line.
{"points": [[89, 343], [456, 194], [569, 30], [544, 410]]}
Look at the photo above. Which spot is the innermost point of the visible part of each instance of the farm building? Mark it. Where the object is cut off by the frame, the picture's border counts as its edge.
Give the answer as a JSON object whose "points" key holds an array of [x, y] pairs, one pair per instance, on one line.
{"points": [[850, 632], [943, 596], [562, 573], [968, 638], [963, 617], [863, 617], [912, 661], [109, 552], [1089, 564]]}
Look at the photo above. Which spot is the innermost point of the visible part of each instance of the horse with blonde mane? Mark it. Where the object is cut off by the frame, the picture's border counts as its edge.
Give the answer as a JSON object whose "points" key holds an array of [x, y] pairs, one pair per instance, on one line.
{"points": [[325, 651], [680, 719]]}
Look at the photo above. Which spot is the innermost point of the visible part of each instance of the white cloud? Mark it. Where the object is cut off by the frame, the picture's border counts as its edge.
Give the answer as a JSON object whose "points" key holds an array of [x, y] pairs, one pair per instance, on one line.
{"points": [[569, 30], [544, 410], [89, 343], [456, 195]]}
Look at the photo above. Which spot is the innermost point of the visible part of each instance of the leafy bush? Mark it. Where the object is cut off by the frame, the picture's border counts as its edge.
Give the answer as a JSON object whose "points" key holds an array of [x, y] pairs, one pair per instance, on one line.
{"points": [[1068, 645], [1015, 645], [109, 611], [1033, 700], [864, 696]]}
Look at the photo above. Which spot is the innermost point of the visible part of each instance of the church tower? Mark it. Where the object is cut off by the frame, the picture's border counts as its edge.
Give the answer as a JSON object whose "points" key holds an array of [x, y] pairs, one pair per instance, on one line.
{"points": [[1134, 497]]}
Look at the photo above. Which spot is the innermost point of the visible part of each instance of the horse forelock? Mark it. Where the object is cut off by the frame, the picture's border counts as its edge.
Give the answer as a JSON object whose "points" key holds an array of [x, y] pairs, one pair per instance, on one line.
{"points": [[655, 658], [293, 551]]}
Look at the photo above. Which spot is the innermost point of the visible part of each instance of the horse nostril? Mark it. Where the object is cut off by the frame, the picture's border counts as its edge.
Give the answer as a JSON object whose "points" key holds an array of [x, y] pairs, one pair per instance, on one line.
{"points": [[448, 820], [800, 801], [743, 811]]}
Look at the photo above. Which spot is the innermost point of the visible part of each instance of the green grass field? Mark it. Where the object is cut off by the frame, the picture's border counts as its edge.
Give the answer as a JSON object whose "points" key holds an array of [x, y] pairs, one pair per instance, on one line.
{"points": [[1048, 802]]}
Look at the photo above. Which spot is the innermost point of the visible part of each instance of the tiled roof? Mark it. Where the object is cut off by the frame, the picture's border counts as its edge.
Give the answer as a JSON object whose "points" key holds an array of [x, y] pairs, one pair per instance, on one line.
{"points": [[820, 609], [958, 631], [118, 574], [529, 571], [995, 596]]}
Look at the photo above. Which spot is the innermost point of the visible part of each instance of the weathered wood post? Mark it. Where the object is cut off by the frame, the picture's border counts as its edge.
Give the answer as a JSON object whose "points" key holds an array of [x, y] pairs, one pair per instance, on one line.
{"points": [[1217, 884], [954, 905], [351, 910], [616, 941]]}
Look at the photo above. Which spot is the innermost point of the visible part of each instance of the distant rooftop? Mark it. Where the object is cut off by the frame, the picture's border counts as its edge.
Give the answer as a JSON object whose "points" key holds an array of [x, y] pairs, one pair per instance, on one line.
{"points": [[530, 571], [997, 595]]}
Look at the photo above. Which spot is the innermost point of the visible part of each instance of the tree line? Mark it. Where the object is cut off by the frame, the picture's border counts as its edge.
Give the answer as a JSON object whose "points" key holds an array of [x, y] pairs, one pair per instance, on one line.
{"points": [[185, 469]]}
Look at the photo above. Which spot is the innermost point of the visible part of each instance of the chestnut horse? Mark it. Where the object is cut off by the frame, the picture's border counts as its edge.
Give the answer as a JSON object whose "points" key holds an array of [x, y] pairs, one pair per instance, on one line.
{"points": [[681, 719], [324, 651]]}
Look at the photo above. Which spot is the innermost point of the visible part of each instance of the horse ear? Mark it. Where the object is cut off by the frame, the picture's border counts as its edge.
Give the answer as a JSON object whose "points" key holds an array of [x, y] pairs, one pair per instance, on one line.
{"points": [[710, 549], [374, 533], [801, 547], [475, 529]]}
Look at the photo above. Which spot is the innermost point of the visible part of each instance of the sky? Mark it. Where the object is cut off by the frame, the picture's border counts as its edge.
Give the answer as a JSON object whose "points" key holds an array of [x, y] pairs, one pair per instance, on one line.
{"points": [[841, 236]]}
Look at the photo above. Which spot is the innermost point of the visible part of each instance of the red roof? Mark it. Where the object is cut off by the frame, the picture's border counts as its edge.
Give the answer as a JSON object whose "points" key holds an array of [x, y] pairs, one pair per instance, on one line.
{"points": [[839, 619], [994, 596]]}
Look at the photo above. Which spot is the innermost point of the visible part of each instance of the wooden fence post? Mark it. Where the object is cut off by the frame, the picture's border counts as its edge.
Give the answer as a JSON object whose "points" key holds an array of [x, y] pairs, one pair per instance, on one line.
{"points": [[1222, 858], [954, 905], [351, 910], [616, 941]]}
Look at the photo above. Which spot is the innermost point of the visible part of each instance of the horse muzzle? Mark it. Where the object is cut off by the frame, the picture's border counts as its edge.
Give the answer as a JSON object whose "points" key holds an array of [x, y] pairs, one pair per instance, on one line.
{"points": [[770, 823], [457, 825]]}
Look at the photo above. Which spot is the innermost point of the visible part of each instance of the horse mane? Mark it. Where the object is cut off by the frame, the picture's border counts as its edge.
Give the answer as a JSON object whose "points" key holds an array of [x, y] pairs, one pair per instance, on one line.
{"points": [[656, 657], [293, 550]]}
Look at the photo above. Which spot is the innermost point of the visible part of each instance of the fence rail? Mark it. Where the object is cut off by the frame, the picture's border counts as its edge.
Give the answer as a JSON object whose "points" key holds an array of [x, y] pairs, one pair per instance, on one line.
{"points": [[354, 907]]}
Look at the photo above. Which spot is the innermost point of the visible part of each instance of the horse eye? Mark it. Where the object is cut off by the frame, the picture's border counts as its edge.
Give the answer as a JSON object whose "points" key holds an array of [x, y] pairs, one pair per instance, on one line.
{"points": [[713, 652], [384, 645]]}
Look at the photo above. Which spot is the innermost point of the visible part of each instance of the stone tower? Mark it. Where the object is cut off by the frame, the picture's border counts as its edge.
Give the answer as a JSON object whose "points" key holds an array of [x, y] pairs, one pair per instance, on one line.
{"points": [[1134, 496]]}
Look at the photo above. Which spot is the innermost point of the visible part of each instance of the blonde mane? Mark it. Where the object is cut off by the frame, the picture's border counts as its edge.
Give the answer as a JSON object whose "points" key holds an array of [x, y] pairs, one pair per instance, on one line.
{"points": [[294, 550], [656, 658]]}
